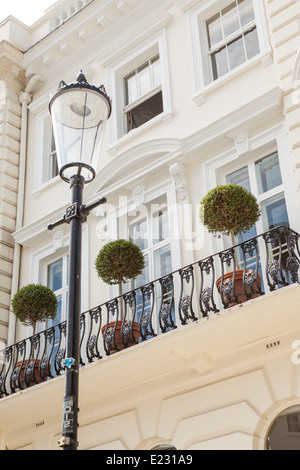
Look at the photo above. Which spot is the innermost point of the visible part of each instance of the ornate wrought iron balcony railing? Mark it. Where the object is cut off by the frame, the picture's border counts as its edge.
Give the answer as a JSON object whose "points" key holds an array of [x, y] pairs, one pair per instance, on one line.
{"points": [[259, 265]]}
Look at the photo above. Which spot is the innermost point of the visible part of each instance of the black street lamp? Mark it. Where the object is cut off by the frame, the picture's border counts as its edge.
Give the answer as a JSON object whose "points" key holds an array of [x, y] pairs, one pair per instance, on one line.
{"points": [[79, 112]]}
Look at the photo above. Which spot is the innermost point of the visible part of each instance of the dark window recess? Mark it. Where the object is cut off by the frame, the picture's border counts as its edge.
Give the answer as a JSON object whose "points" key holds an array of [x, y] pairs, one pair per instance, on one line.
{"points": [[144, 111]]}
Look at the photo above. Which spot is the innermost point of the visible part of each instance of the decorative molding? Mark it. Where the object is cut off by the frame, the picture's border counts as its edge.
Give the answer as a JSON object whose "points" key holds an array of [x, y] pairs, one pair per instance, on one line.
{"points": [[101, 230], [133, 165], [117, 48], [123, 6], [241, 142], [138, 194], [33, 233], [296, 71], [58, 236], [65, 48], [185, 5], [177, 170]]}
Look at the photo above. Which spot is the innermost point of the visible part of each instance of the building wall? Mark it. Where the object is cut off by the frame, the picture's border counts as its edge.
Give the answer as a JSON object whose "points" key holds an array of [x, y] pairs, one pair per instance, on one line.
{"points": [[223, 394], [206, 387]]}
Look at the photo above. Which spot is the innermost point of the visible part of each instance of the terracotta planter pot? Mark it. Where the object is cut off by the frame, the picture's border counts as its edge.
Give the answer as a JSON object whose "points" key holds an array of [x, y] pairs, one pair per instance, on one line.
{"points": [[37, 375], [128, 339], [238, 287]]}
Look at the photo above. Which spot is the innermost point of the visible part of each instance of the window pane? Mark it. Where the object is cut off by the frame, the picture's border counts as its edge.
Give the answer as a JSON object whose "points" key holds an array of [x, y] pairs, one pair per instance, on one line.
{"points": [[145, 111], [138, 234], [220, 63], [293, 422], [156, 72], [252, 44], [246, 11], [54, 165], [274, 212], [55, 275], [160, 226], [268, 173], [214, 30], [236, 53], [143, 278], [162, 261], [144, 78], [52, 144], [58, 318], [131, 89], [230, 20], [240, 177]]}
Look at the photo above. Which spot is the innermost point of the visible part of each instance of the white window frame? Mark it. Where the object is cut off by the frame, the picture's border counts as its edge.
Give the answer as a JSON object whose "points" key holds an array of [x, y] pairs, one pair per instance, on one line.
{"points": [[224, 43], [201, 63], [152, 248], [156, 45], [117, 230], [63, 291], [259, 146], [250, 164], [43, 172], [154, 90], [41, 259]]}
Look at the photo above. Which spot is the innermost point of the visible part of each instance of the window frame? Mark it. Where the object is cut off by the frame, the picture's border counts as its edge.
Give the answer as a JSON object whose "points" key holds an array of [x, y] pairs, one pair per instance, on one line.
{"points": [[40, 259], [63, 291], [202, 70], [293, 423], [259, 146], [279, 423], [263, 196], [152, 247], [227, 40], [141, 98], [120, 68], [52, 155], [120, 230], [44, 167]]}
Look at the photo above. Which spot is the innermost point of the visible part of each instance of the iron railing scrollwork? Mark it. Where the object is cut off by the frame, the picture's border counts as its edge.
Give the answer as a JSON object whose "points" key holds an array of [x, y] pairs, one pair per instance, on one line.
{"points": [[198, 291]]}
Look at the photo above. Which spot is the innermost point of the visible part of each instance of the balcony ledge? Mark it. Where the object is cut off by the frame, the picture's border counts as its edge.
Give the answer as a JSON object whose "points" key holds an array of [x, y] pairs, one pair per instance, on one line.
{"points": [[202, 352]]}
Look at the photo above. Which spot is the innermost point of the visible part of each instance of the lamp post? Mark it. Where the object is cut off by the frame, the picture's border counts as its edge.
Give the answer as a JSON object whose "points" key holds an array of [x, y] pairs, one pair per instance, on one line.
{"points": [[79, 112]]}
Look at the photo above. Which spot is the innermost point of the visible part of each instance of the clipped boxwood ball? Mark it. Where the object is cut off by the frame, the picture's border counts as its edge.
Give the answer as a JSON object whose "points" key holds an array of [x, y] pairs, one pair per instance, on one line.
{"points": [[118, 261], [34, 303], [229, 210]]}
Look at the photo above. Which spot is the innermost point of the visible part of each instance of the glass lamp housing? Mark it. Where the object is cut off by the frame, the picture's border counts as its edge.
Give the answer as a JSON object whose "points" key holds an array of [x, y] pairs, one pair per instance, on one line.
{"points": [[79, 112]]}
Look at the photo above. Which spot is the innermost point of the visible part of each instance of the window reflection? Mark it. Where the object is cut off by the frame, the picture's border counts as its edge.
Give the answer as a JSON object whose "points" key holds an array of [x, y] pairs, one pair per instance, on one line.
{"points": [[268, 173], [232, 37]]}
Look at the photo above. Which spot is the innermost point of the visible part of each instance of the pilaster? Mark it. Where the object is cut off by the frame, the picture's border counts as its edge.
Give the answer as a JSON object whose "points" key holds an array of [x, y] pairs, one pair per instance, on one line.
{"points": [[10, 129], [284, 25]]}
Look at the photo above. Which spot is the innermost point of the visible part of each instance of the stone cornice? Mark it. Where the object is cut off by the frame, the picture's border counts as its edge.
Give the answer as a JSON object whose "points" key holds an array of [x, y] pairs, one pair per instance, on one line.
{"points": [[100, 24], [35, 231], [10, 61]]}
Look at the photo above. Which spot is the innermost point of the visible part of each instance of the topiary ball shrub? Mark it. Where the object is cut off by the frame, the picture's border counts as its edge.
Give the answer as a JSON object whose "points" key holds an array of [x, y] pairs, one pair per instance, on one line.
{"points": [[34, 303], [229, 210], [118, 261]]}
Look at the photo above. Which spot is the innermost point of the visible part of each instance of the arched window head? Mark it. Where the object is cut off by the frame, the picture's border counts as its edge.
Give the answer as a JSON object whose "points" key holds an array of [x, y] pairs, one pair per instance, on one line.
{"points": [[284, 433]]}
